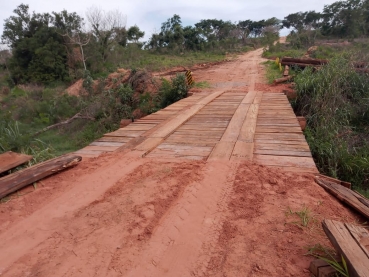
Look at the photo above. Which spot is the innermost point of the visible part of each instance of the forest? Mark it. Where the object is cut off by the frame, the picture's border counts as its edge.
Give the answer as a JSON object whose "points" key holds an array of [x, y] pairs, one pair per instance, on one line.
{"points": [[45, 53]]}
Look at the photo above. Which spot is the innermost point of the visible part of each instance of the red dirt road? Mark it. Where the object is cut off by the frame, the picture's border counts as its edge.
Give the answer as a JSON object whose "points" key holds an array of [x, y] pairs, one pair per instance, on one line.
{"points": [[124, 215]]}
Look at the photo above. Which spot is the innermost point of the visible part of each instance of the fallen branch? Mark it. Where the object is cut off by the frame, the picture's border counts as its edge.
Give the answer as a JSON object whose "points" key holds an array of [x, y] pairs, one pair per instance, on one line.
{"points": [[76, 116]]}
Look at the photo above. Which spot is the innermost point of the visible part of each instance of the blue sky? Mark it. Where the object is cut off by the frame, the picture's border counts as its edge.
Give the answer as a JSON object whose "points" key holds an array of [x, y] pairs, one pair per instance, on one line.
{"points": [[149, 15]]}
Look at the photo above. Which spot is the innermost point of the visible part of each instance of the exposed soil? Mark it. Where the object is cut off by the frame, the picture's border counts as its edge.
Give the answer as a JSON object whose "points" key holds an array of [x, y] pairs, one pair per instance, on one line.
{"points": [[123, 215]]}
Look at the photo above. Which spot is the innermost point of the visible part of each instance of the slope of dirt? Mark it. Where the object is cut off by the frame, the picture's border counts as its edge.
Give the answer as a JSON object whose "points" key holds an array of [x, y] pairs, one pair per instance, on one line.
{"points": [[124, 215]]}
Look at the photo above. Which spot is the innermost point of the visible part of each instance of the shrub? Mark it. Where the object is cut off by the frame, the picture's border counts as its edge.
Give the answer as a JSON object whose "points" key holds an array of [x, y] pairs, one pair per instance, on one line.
{"points": [[173, 91], [334, 101]]}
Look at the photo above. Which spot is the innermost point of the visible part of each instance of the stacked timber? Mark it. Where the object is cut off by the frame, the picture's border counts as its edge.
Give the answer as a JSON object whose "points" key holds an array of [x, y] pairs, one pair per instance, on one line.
{"points": [[302, 63]]}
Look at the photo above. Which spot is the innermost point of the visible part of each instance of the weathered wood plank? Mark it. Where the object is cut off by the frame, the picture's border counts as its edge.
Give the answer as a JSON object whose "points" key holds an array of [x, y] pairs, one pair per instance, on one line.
{"points": [[234, 127], [248, 128], [106, 143], [283, 152], [349, 197], [20, 179], [222, 151], [285, 161], [9, 160], [352, 251], [276, 129], [243, 151]]}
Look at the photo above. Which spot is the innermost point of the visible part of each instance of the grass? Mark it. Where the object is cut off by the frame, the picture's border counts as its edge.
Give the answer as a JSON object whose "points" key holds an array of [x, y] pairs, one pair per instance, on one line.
{"points": [[334, 102], [132, 57], [304, 215], [202, 84], [272, 71], [282, 50]]}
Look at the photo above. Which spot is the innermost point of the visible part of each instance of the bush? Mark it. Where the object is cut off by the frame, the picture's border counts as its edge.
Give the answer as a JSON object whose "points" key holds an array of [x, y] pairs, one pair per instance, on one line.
{"points": [[334, 101], [171, 92]]}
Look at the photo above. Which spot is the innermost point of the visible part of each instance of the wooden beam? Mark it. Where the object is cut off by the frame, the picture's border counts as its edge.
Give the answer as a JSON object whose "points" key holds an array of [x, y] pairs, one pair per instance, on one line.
{"points": [[351, 242], [27, 176], [9, 160], [349, 197]]}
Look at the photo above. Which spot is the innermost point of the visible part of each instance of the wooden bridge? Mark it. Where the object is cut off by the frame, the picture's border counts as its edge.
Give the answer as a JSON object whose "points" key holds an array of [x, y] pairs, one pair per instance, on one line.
{"points": [[223, 125]]}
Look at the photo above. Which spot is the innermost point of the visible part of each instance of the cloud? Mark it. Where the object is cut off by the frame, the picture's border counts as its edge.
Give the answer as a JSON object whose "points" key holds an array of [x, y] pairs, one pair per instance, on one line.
{"points": [[149, 15]]}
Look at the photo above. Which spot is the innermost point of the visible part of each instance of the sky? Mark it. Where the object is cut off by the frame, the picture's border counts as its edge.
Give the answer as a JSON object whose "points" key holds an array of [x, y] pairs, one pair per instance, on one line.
{"points": [[149, 14]]}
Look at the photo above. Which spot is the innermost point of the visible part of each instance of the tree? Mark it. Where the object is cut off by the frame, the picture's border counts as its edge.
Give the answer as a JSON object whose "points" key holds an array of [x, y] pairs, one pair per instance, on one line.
{"points": [[105, 27], [39, 52], [134, 34]]}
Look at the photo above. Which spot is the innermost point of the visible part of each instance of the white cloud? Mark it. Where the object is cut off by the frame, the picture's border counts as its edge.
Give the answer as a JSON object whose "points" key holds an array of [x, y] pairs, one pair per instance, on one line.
{"points": [[149, 15]]}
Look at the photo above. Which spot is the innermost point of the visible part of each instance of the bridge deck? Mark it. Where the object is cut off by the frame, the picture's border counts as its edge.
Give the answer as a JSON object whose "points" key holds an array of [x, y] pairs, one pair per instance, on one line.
{"points": [[224, 125]]}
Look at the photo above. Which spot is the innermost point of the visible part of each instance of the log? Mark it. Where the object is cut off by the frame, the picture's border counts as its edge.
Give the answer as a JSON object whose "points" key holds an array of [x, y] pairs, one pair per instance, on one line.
{"points": [[349, 197], [27, 176], [9, 160], [352, 243], [282, 80], [286, 70], [303, 61]]}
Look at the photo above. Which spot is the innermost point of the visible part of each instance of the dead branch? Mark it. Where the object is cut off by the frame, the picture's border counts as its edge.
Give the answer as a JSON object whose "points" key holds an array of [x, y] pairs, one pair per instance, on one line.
{"points": [[76, 116]]}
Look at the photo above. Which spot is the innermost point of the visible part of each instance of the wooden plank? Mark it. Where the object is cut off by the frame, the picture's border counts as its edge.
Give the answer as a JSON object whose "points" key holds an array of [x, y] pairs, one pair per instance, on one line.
{"points": [[234, 127], [285, 161], [243, 151], [22, 178], [124, 133], [9, 160], [248, 128], [280, 146], [106, 143], [114, 139], [320, 268], [258, 98], [284, 130], [222, 151], [345, 243], [173, 124], [281, 141], [149, 143], [361, 237], [281, 152], [349, 197], [249, 98], [279, 136]]}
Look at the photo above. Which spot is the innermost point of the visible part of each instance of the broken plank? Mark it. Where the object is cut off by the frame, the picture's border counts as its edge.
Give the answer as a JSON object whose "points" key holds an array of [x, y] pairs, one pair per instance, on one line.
{"points": [[9, 160], [344, 240], [27, 176], [349, 197]]}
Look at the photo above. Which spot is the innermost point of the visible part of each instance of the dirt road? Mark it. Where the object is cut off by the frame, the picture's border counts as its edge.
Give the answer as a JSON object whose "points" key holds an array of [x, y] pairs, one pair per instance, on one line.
{"points": [[124, 215]]}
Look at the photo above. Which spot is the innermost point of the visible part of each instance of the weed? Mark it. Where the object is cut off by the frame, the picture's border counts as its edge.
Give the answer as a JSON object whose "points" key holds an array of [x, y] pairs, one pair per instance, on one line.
{"points": [[304, 214]]}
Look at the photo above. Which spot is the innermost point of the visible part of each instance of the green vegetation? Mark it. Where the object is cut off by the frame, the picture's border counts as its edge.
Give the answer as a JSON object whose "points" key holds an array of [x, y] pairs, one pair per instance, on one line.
{"points": [[27, 111], [334, 101], [328, 255]]}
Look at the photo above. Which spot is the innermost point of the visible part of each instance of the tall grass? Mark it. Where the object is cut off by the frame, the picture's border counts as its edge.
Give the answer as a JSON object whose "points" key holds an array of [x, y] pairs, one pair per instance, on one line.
{"points": [[335, 102]]}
